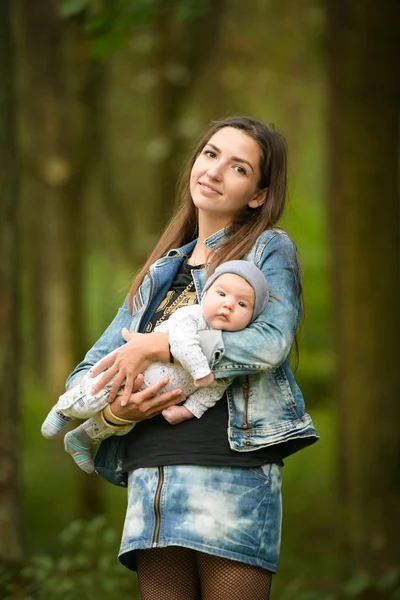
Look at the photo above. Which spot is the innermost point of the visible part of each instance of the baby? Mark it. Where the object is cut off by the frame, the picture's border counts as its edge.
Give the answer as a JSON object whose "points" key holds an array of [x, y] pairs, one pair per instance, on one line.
{"points": [[233, 296]]}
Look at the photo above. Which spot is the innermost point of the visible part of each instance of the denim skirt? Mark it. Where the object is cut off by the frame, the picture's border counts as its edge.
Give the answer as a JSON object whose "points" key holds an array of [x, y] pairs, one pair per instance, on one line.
{"points": [[229, 512]]}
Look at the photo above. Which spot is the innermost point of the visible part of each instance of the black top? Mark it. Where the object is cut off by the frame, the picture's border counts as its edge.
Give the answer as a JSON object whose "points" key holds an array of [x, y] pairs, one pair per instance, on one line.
{"points": [[154, 442]]}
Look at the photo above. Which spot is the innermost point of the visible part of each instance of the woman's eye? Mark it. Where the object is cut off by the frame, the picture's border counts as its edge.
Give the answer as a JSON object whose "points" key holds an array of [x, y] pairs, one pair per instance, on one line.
{"points": [[209, 153], [241, 170]]}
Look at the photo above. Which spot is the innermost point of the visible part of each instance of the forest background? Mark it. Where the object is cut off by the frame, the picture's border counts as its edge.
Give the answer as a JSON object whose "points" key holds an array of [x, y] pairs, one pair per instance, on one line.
{"points": [[100, 101]]}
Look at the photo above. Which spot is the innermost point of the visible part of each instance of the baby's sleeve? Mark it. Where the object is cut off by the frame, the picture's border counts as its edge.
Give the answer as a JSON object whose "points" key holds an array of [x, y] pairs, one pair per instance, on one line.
{"points": [[184, 326], [205, 398]]}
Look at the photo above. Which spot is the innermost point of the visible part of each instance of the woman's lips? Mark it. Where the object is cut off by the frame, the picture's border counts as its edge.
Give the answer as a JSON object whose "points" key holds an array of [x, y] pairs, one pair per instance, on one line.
{"points": [[208, 190]]}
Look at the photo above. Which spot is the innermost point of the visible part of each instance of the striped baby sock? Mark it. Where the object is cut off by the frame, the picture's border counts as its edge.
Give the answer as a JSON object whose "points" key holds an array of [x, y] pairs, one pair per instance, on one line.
{"points": [[54, 423], [77, 443]]}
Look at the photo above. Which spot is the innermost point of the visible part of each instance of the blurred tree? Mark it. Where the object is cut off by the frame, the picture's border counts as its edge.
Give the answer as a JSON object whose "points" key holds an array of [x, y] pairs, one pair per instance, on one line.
{"points": [[181, 55], [47, 169], [60, 106], [165, 73], [364, 206], [10, 534]]}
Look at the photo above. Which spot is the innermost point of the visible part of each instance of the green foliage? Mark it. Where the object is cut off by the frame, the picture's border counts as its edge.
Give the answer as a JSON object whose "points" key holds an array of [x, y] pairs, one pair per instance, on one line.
{"points": [[111, 27], [86, 568], [386, 586], [110, 24], [358, 584], [70, 8]]}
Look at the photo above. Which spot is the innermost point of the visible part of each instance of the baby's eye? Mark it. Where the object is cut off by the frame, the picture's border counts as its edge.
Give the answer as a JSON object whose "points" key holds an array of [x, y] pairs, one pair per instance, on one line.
{"points": [[221, 293], [242, 304]]}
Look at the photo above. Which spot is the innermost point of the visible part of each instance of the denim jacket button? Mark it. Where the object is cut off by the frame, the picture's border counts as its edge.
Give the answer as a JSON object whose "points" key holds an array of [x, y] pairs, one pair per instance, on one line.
{"points": [[247, 434], [248, 443]]}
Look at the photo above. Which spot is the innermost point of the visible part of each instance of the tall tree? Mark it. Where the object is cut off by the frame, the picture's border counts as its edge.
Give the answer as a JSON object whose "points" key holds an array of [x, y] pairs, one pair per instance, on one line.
{"points": [[47, 170], [180, 57], [62, 85], [364, 212], [177, 59], [10, 534]]}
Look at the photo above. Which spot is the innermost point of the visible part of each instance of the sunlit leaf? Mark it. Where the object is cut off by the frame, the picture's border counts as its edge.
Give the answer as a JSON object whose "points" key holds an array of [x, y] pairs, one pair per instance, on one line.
{"points": [[70, 8], [389, 580], [190, 9], [97, 24], [359, 583]]}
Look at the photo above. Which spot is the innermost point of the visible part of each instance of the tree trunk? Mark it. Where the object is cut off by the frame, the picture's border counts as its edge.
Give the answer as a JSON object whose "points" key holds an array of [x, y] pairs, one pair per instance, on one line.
{"points": [[85, 146], [47, 169], [364, 211], [180, 57], [60, 124], [10, 533]]}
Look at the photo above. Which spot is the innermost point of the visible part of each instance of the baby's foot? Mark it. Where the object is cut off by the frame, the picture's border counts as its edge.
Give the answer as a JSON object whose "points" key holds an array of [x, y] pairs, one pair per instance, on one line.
{"points": [[77, 443], [176, 414], [54, 423], [204, 381]]}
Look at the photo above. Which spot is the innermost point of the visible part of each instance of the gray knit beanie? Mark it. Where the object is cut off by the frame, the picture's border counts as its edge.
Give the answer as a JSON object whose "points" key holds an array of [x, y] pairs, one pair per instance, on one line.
{"points": [[251, 274]]}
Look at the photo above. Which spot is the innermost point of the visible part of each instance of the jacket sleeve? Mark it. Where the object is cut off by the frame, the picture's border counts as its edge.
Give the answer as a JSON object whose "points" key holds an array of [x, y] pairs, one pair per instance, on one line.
{"points": [[266, 343], [110, 340]]}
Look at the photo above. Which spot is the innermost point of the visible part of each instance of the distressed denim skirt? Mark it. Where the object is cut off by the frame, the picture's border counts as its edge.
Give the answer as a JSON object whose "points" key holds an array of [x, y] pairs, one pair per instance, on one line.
{"points": [[230, 512]]}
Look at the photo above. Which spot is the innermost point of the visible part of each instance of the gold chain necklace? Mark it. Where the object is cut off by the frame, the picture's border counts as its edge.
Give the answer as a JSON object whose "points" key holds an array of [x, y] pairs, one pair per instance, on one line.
{"points": [[177, 300]]}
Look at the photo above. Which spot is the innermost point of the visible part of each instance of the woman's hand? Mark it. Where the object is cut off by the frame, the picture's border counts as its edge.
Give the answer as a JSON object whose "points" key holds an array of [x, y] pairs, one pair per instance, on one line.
{"points": [[125, 363], [146, 404]]}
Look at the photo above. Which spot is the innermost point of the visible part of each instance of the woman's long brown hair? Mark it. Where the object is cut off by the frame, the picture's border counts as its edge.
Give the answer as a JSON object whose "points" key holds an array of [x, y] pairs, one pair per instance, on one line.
{"points": [[251, 222]]}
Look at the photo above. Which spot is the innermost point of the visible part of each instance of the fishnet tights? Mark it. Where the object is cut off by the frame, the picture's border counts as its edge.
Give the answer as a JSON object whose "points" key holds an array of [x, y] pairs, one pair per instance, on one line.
{"points": [[176, 573]]}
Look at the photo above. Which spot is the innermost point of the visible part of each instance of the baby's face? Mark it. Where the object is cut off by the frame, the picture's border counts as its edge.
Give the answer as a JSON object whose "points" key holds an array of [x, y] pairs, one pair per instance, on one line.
{"points": [[228, 303]]}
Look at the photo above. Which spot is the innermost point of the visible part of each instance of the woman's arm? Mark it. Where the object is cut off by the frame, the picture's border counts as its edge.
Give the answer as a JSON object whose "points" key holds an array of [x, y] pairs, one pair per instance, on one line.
{"points": [[266, 343], [146, 404], [133, 356], [110, 340]]}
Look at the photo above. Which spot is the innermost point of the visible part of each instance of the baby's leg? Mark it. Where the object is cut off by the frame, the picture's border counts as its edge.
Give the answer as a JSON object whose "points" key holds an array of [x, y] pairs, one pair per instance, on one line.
{"points": [[78, 444], [54, 423], [176, 414], [77, 403], [79, 441]]}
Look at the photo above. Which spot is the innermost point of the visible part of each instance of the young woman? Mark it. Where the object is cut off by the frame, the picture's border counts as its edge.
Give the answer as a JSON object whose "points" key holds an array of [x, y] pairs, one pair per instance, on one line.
{"points": [[204, 503]]}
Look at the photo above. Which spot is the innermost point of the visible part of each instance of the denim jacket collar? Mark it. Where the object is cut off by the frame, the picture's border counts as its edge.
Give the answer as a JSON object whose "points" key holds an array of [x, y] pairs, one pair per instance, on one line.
{"points": [[216, 238], [211, 242]]}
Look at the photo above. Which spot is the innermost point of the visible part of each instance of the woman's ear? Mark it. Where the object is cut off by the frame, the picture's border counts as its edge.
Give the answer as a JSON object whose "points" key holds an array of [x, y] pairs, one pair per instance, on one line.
{"points": [[258, 199]]}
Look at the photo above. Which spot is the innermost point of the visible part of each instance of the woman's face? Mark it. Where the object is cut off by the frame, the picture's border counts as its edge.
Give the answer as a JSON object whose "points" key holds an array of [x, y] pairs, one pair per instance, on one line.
{"points": [[224, 178]]}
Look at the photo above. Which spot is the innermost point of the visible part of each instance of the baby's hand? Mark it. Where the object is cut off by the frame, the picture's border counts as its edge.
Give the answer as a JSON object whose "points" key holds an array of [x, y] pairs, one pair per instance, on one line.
{"points": [[177, 414], [204, 381]]}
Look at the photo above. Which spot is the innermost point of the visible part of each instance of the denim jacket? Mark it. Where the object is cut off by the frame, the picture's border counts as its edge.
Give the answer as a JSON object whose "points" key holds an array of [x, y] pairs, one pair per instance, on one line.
{"points": [[265, 404]]}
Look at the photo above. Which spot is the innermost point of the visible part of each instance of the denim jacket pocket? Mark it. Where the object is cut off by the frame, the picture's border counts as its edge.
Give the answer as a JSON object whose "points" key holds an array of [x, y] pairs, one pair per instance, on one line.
{"points": [[286, 390]]}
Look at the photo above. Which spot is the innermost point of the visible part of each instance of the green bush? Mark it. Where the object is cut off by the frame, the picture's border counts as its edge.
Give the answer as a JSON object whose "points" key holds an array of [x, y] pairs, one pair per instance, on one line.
{"points": [[359, 586], [86, 568]]}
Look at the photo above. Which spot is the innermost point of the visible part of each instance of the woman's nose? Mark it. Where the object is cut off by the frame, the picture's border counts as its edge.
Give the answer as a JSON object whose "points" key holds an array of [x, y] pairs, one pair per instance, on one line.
{"points": [[215, 171]]}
